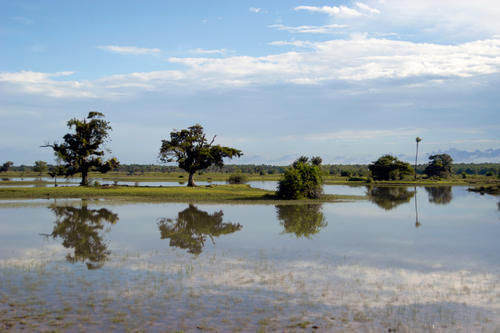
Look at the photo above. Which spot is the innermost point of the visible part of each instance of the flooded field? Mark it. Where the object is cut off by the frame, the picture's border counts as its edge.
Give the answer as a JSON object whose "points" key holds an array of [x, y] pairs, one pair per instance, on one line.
{"points": [[406, 260]]}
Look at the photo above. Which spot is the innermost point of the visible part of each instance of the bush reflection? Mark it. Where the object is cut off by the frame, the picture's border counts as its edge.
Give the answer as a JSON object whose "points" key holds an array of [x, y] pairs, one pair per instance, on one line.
{"points": [[303, 220]]}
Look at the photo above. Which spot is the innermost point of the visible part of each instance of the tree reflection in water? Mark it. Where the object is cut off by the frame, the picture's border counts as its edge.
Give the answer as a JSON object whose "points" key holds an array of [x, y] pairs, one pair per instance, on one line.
{"points": [[303, 220], [389, 197], [192, 227], [440, 195], [81, 229]]}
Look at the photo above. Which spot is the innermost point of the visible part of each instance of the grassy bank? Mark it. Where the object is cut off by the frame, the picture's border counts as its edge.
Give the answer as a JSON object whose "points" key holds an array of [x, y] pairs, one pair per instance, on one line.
{"points": [[212, 193]]}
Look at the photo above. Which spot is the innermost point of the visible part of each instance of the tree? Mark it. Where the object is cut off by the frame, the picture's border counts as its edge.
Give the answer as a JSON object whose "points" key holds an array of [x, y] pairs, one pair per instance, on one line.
{"points": [[193, 152], [55, 171], [81, 152], [416, 155], [40, 167], [192, 226], [439, 166], [389, 167], [6, 166], [302, 180]]}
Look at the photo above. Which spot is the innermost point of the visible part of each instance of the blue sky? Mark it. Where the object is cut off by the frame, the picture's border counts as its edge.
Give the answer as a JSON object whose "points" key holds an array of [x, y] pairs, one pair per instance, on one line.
{"points": [[345, 80]]}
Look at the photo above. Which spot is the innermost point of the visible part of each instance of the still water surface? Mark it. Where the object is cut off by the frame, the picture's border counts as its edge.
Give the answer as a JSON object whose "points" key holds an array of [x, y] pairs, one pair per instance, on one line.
{"points": [[424, 262]]}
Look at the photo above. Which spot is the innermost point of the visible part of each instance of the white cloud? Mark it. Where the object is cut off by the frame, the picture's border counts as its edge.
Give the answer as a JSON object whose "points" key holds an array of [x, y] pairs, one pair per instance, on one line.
{"points": [[314, 63], [448, 20], [203, 51], [129, 49], [341, 11], [366, 8], [255, 10], [322, 29]]}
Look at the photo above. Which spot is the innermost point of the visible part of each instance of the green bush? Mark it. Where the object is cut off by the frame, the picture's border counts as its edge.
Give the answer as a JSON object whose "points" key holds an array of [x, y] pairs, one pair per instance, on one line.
{"points": [[302, 180], [389, 167], [237, 179]]}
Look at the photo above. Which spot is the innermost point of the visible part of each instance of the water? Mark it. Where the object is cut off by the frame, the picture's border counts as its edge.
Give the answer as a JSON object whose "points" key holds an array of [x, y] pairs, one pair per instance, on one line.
{"points": [[412, 262]]}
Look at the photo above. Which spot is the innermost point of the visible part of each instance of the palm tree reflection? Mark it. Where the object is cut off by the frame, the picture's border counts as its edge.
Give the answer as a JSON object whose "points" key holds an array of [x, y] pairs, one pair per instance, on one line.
{"points": [[192, 227], [303, 220], [81, 229]]}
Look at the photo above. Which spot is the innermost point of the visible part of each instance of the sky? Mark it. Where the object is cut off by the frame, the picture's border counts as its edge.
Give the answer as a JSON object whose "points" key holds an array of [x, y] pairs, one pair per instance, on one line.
{"points": [[345, 80]]}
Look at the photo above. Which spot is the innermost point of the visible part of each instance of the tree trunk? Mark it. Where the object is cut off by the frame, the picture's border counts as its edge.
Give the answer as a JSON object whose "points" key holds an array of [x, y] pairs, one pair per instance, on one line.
{"points": [[191, 180], [85, 178], [416, 157]]}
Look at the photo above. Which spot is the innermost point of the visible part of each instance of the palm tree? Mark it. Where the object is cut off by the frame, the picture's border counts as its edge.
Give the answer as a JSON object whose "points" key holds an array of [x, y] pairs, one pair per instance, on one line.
{"points": [[416, 155]]}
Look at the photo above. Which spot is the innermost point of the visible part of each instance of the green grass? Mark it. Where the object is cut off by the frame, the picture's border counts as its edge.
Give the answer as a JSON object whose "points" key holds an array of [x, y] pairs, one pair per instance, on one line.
{"points": [[476, 180], [211, 193]]}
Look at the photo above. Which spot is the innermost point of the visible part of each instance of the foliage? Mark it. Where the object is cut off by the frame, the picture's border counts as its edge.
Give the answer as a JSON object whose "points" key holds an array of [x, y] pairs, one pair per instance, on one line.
{"points": [[389, 167], [389, 197], [302, 180], [301, 220], [439, 166], [40, 167], [193, 152], [237, 178], [81, 151], [192, 227], [6, 166], [80, 229]]}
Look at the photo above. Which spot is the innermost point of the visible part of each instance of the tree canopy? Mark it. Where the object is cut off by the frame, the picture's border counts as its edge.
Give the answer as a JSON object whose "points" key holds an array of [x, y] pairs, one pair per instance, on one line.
{"points": [[192, 151], [439, 166], [389, 167], [302, 180], [81, 151], [40, 167], [6, 166]]}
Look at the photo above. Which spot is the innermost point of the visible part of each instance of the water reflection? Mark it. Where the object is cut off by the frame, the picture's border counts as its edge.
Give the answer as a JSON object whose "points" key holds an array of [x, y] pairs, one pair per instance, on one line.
{"points": [[301, 220], [81, 229], [440, 195], [192, 227], [389, 197]]}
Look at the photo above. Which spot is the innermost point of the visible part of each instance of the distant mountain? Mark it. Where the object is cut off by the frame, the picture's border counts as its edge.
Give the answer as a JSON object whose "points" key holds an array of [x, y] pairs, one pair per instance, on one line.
{"points": [[477, 156]]}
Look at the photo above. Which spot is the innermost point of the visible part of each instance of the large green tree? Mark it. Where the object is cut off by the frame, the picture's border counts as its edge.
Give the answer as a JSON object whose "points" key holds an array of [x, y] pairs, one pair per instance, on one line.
{"points": [[6, 166], [389, 167], [191, 149], [40, 167], [81, 152], [439, 166], [302, 180]]}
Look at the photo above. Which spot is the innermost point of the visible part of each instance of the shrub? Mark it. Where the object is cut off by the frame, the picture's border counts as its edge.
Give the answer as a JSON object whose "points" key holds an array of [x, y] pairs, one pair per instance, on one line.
{"points": [[302, 180], [345, 173], [389, 167], [237, 179]]}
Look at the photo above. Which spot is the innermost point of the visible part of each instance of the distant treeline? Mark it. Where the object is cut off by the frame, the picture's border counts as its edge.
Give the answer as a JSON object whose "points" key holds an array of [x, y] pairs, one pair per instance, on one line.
{"points": [[346, 170]]}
